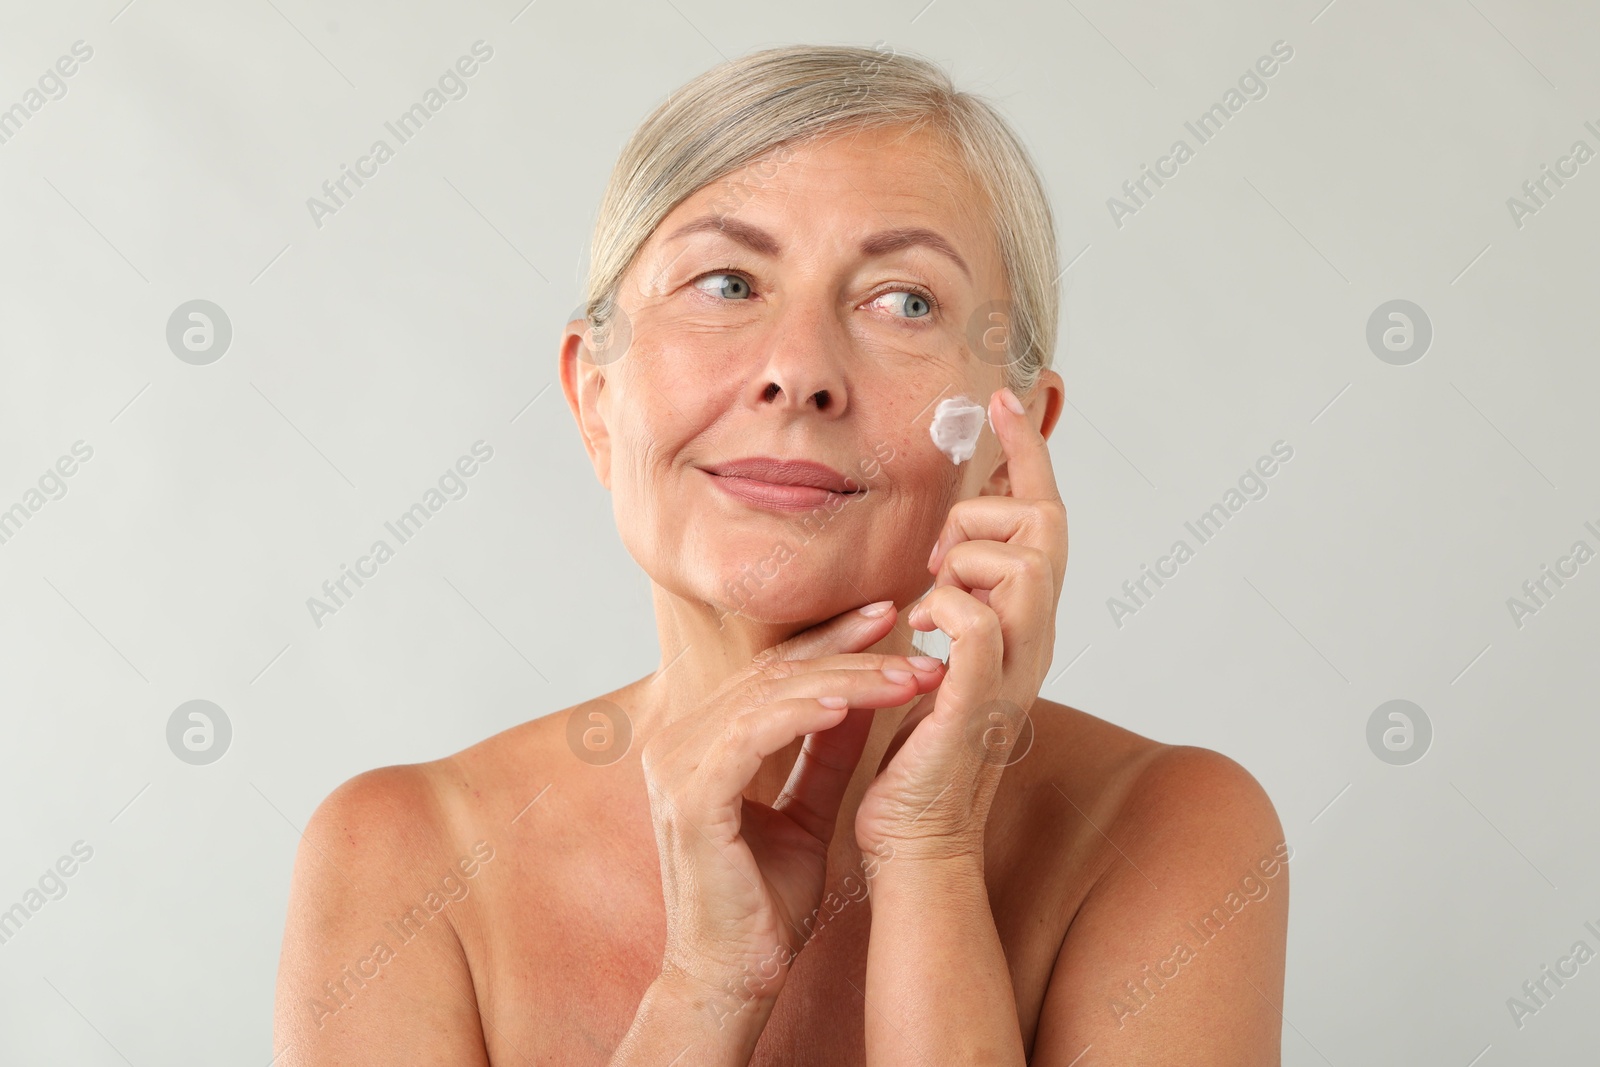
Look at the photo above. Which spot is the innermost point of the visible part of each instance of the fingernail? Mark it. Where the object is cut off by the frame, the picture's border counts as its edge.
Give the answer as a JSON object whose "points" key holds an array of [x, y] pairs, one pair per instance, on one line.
{"points": [[899, 677], [878, 610], [935, 552], [927, 663], [1009, 399], [833, 702]]}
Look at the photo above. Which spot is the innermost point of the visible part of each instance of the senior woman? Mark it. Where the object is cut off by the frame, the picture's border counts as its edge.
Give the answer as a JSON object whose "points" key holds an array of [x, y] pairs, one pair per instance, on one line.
{"points": [[801, 842]]}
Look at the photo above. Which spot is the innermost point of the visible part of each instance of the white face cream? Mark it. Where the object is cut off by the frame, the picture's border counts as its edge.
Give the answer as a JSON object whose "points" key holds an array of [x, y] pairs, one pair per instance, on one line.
{"points": [[957, 421]]}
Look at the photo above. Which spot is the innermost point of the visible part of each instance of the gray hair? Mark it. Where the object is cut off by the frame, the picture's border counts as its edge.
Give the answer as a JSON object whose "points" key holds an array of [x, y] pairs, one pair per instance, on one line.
{"points": [[734, 114]]}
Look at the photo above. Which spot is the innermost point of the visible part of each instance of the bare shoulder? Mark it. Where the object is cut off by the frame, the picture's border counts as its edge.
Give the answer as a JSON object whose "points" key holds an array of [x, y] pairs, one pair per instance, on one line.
{"points": [[1190, 879], [1145, 788], [489, 788], [387, 821], [370, 958], [376, 813]]}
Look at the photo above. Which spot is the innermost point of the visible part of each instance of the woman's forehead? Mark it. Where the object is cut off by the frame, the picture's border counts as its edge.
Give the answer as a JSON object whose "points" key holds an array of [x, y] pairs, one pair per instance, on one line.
{"points": [[871, 181], [914, 165]]}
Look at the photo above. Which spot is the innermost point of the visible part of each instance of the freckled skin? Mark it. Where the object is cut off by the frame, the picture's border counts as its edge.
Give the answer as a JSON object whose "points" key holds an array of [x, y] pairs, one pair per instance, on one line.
{"points": [[546, 957]]}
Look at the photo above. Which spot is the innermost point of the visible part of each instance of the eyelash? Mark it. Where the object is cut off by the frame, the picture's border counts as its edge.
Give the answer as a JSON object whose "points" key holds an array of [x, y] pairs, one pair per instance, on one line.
{"points": [[934, 306]]}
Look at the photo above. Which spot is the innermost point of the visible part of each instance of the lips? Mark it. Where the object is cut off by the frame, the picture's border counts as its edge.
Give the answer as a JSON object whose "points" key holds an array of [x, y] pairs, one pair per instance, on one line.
{"points": [[785, 484]]}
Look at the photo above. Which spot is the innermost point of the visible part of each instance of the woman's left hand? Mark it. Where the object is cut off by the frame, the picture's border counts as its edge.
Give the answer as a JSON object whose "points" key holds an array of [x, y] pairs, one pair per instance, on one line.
{"points": [[998, 564]]}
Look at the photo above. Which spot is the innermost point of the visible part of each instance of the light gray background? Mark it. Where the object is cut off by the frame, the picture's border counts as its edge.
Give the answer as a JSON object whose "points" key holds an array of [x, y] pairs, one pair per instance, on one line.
{"points": [[369, 353]]}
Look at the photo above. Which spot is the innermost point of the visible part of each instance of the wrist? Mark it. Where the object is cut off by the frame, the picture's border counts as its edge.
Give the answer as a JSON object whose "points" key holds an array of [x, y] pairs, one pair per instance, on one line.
{"points": [[928, 856], [929, 872], [728, 999], [678, 1014]]}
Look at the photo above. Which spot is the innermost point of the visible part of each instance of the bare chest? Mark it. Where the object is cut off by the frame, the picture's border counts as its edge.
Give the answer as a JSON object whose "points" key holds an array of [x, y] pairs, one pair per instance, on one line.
{"points": [[560, 964]]}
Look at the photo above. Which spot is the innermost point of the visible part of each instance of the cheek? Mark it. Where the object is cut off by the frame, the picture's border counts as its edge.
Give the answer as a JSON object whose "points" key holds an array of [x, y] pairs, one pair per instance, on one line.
{"points": [[926, 484], [689, 351], [646, 430]]}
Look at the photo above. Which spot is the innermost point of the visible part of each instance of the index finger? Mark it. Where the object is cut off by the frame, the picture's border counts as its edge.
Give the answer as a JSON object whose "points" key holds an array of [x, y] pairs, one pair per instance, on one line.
{"points": [[848, 631], [1032, 475]]}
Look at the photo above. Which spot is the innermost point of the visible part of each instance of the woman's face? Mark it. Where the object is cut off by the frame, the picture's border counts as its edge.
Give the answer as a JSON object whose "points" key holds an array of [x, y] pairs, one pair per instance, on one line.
{"points": [[815, 306]]}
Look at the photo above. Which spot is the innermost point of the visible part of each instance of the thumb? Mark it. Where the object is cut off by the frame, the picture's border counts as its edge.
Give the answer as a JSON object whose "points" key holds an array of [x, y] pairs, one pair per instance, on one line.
{"points": [[848, 631]]}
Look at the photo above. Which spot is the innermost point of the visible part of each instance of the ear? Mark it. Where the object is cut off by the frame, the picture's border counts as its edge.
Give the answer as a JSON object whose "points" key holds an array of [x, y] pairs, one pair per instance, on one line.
{"points": [[583, 381], [1043, 404]]}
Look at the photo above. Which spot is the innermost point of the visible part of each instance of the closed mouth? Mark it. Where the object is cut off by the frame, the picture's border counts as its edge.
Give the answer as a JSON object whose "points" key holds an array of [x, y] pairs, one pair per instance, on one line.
{"points": [[794, 473]]}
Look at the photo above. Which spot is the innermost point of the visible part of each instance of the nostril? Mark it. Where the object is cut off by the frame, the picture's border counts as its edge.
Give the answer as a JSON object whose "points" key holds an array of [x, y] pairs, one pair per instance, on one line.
{"points": [[771, 391], [822, 399]]}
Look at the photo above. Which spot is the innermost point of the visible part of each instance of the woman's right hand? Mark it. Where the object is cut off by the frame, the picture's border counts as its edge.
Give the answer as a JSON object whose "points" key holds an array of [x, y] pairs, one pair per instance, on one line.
{"points": [[741, 878]]}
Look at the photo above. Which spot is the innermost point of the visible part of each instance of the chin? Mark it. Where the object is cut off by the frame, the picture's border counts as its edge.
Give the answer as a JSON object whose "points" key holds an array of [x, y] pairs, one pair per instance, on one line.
{"points": [[783, 585]]}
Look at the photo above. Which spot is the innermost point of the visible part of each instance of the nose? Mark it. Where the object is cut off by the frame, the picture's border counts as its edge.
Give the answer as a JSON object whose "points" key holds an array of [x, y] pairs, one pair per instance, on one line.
{"points": [[804, 364]]}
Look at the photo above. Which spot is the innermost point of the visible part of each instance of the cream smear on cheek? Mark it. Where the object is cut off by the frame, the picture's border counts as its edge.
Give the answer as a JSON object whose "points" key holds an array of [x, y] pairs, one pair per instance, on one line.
{"points": [[957, 421]]}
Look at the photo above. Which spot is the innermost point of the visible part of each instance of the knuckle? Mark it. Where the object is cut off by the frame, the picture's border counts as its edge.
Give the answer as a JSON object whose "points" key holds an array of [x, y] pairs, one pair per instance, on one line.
{"points": [[982, 619], [759, 692], [1052, 517], [960, 550], [778, 669], [736, 731], [1034, 564], [959, 511]]}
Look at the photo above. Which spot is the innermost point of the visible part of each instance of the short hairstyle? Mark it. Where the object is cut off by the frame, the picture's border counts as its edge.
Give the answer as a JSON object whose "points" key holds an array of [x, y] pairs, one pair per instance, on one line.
{"points": [[738, 112]]}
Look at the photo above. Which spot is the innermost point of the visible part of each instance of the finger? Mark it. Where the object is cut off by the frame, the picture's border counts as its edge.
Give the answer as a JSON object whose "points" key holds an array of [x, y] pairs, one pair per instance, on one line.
{"points": [[919, 711], [1027, 455], [859, 679], [886, 688], [848, 631], [976, 650], [1040, 523], [766, 719], [727, 767], [1019, 582], [816, 786], [709, 775], [853, 661]]}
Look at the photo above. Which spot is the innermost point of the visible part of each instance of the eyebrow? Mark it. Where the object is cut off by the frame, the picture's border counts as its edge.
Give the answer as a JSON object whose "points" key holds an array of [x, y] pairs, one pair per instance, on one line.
{"points": [[883, 243], [752, 237], [879, 244]]}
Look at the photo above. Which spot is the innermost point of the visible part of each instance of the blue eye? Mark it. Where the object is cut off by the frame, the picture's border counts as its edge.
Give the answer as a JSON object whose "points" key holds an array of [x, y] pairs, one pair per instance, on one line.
{"points": [[732, 288], [914, 304]]}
